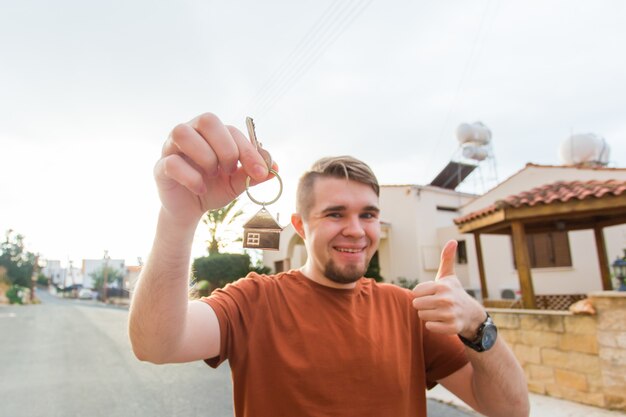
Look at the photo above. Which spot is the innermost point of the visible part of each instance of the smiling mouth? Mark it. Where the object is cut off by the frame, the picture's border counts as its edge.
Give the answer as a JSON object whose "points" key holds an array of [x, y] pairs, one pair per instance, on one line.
{"points": [[349, 250]]}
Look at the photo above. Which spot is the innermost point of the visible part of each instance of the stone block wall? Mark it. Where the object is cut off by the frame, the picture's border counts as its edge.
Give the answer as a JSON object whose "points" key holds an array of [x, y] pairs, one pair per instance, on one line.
{"points": [[575, 357]]}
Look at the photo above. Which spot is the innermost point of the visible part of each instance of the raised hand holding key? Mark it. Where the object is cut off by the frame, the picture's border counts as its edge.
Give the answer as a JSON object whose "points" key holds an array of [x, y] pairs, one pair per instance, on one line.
{"points": [[203, 166]]}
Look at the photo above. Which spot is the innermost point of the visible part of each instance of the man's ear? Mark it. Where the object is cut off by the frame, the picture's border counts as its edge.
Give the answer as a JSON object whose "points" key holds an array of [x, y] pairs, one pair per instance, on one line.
{"points": [[298, 224]]}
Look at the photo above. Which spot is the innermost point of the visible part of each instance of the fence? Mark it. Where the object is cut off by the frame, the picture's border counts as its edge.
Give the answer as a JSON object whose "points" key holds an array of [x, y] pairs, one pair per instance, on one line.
{"points": [[580, 358]]}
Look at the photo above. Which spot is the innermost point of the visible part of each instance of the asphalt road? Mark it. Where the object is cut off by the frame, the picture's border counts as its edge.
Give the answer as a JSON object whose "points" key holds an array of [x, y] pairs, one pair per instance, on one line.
{"points": [[66, 358]]}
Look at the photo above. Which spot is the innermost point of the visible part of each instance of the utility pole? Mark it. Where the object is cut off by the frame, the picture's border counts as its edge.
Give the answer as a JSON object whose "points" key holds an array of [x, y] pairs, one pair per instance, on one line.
{"points": [[33, 278], [105, 276]]}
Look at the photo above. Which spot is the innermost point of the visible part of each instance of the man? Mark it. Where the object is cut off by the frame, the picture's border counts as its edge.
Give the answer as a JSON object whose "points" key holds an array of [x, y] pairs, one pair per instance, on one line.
{"points": [[323, 340]]}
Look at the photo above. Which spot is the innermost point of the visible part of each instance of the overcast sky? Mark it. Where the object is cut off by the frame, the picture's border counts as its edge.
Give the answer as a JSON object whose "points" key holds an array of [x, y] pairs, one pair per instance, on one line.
{"points": [[90, 90]]}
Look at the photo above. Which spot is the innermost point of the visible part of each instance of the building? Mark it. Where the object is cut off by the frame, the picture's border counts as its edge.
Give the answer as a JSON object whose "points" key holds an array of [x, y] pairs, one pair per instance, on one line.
{"points": [[563, 262], [91, 266]]}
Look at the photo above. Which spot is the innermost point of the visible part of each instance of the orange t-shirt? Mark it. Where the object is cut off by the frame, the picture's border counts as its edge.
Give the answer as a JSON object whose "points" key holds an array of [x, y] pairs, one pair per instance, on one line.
{"points": [[298, 348]]}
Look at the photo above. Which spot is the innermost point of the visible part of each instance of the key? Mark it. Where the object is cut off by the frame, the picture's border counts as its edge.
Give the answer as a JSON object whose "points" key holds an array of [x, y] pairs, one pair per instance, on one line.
{"points": [[257, 145]]}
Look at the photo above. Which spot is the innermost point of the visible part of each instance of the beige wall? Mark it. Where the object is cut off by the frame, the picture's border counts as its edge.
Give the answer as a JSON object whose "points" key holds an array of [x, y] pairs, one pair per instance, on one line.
{"points": [[414, 220], [576, 357], [290, 250]]}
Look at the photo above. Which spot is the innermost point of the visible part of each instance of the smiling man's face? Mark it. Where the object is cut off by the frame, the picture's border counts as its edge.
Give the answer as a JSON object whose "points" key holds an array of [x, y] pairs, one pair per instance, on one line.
{"points": [[341, 231]]}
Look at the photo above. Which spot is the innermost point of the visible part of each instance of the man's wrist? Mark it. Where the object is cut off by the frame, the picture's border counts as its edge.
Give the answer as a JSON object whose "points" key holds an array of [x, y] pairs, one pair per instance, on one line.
{"points": [[182, 225], [471, 330], [484, 337]]}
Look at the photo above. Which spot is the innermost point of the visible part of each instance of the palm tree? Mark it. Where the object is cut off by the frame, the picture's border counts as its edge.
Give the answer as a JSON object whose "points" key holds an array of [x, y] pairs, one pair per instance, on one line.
{"points": [[218, 222]]}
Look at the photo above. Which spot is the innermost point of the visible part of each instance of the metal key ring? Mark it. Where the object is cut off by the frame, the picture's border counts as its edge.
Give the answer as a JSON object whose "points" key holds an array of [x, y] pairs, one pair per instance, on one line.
{"points": [[267, 203]]}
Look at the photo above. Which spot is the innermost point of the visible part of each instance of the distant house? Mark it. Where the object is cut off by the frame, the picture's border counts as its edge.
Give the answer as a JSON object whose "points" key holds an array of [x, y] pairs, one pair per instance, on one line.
{"points": [[70, 277], [91, 266], [562, 262], [132, 275]]}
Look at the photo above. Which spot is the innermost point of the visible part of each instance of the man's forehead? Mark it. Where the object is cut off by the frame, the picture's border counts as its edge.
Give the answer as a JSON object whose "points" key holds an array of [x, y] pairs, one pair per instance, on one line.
{"points": [[344, 193]]}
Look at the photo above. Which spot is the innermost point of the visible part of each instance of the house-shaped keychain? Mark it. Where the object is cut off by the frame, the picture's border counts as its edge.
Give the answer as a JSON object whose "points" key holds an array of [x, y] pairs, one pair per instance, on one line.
{"points": [[262, 231]]}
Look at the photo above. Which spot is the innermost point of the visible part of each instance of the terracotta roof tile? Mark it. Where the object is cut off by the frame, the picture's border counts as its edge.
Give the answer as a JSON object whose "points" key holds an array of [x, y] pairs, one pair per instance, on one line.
{"points": [[560, 191]]}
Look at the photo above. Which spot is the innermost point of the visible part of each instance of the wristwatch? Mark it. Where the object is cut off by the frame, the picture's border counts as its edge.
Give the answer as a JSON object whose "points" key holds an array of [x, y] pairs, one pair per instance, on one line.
{"points": [[486, 336]]}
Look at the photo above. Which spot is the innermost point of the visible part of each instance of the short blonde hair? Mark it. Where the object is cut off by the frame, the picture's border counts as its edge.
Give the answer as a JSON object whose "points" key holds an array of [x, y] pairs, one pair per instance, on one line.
{"points": [[344, 166]]}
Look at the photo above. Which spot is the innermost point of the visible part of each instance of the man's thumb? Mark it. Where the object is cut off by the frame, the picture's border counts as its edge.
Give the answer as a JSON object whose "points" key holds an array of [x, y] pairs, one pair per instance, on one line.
{"points": [[446, 265]]}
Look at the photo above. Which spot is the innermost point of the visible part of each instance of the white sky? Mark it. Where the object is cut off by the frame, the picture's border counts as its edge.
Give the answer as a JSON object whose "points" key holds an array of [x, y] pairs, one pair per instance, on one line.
{"points": [[90, 90]]}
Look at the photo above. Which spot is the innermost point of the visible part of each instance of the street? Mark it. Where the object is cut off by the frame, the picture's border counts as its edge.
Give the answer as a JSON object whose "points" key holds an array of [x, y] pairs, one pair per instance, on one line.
{"points": [[67, 357]]}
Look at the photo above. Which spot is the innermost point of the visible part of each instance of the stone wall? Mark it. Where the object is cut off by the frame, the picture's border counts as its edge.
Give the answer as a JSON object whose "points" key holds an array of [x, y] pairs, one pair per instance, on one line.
{"points": [[576, 357]]}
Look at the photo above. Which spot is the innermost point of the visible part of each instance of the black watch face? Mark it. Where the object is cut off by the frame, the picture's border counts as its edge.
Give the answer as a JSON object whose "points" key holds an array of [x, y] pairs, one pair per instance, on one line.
{"points": [[490, 333]]}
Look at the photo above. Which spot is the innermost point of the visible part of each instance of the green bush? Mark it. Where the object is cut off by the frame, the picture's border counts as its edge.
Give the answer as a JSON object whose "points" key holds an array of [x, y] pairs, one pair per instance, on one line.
{"points": [[221, 268], [373, 269], [405, 283], [14, 294], [42, 279], [201, 289]]}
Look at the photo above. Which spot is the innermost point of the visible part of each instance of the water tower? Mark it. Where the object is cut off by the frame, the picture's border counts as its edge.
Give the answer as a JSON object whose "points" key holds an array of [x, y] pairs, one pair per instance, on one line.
{"points": [[475, 151], [584, 149]]}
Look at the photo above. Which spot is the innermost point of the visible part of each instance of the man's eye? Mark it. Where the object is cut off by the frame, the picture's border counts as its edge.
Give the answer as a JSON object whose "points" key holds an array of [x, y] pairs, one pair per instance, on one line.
{"points": [[368, 216], [334, 215]]}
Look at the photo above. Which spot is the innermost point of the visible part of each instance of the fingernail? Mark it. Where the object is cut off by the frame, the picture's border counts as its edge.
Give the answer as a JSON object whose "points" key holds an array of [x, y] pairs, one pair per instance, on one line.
{"points": [[260, 171]]}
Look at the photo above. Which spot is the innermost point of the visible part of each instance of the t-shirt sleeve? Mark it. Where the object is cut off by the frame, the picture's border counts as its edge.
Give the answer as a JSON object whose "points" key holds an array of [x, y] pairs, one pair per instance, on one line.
{"points": [[443, 354], [233, 306]]}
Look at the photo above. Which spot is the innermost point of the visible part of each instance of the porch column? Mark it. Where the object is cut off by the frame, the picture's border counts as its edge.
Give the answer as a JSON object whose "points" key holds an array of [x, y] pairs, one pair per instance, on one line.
{"points": [[605, 273], [484, 292], [522, 260]]}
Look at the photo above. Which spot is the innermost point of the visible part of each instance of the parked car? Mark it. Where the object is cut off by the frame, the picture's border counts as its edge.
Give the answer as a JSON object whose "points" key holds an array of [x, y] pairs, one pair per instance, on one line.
{"points": [[85, 294]]}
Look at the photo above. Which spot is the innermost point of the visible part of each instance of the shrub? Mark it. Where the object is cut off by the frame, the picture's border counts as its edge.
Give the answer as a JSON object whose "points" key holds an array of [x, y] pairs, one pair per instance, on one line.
{"points": [[42, 279], [15, 294], [201, 289], [221, 268], [373, 269], [405, 283]]}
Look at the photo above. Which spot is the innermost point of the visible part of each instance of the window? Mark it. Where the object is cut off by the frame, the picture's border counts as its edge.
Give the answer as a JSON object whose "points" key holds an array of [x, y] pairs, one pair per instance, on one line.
{"points": [[254, 239], [447, 208], [461, 252], [548, 250]]}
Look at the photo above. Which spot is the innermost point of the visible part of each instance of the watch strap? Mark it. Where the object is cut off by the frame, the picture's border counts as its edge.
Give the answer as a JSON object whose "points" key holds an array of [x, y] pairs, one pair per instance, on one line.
{"points": [[477, 344]]}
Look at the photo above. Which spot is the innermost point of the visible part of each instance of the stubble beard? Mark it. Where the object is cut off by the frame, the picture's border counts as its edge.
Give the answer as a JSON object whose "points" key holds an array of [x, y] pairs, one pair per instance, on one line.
{"points": [[347, 275]]}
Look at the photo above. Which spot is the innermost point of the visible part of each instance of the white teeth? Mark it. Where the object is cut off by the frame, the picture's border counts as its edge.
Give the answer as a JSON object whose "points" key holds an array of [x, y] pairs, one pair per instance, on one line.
{"points": [[348, 250]]}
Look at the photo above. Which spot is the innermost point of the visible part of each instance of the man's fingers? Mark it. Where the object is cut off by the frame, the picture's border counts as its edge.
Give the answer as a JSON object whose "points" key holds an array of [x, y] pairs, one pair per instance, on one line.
{"points": [[185, 140], [251, 161], [175, 168], [220, 141], [425, 288], [443, 316], [446, 265], [441, 327]]}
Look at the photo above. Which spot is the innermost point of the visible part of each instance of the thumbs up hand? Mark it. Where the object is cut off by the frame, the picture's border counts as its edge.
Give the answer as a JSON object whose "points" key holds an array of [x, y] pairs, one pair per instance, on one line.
{"points": [[444, 305]]}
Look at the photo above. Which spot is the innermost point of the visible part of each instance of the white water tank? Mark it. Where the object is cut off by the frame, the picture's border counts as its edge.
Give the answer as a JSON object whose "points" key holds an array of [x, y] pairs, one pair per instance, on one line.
{"points": [[475, 133], [477, 153], [584, 149]]}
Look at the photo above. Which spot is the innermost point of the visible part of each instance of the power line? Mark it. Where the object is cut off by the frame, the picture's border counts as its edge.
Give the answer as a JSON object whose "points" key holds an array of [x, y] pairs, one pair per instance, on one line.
{"points": [[459, 87], [314, 56], [288, 62], [325, 31]]}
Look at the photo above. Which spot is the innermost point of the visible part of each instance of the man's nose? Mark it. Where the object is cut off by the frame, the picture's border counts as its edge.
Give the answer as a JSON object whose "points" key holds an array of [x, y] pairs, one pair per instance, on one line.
{"points": [[353, 227]]}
